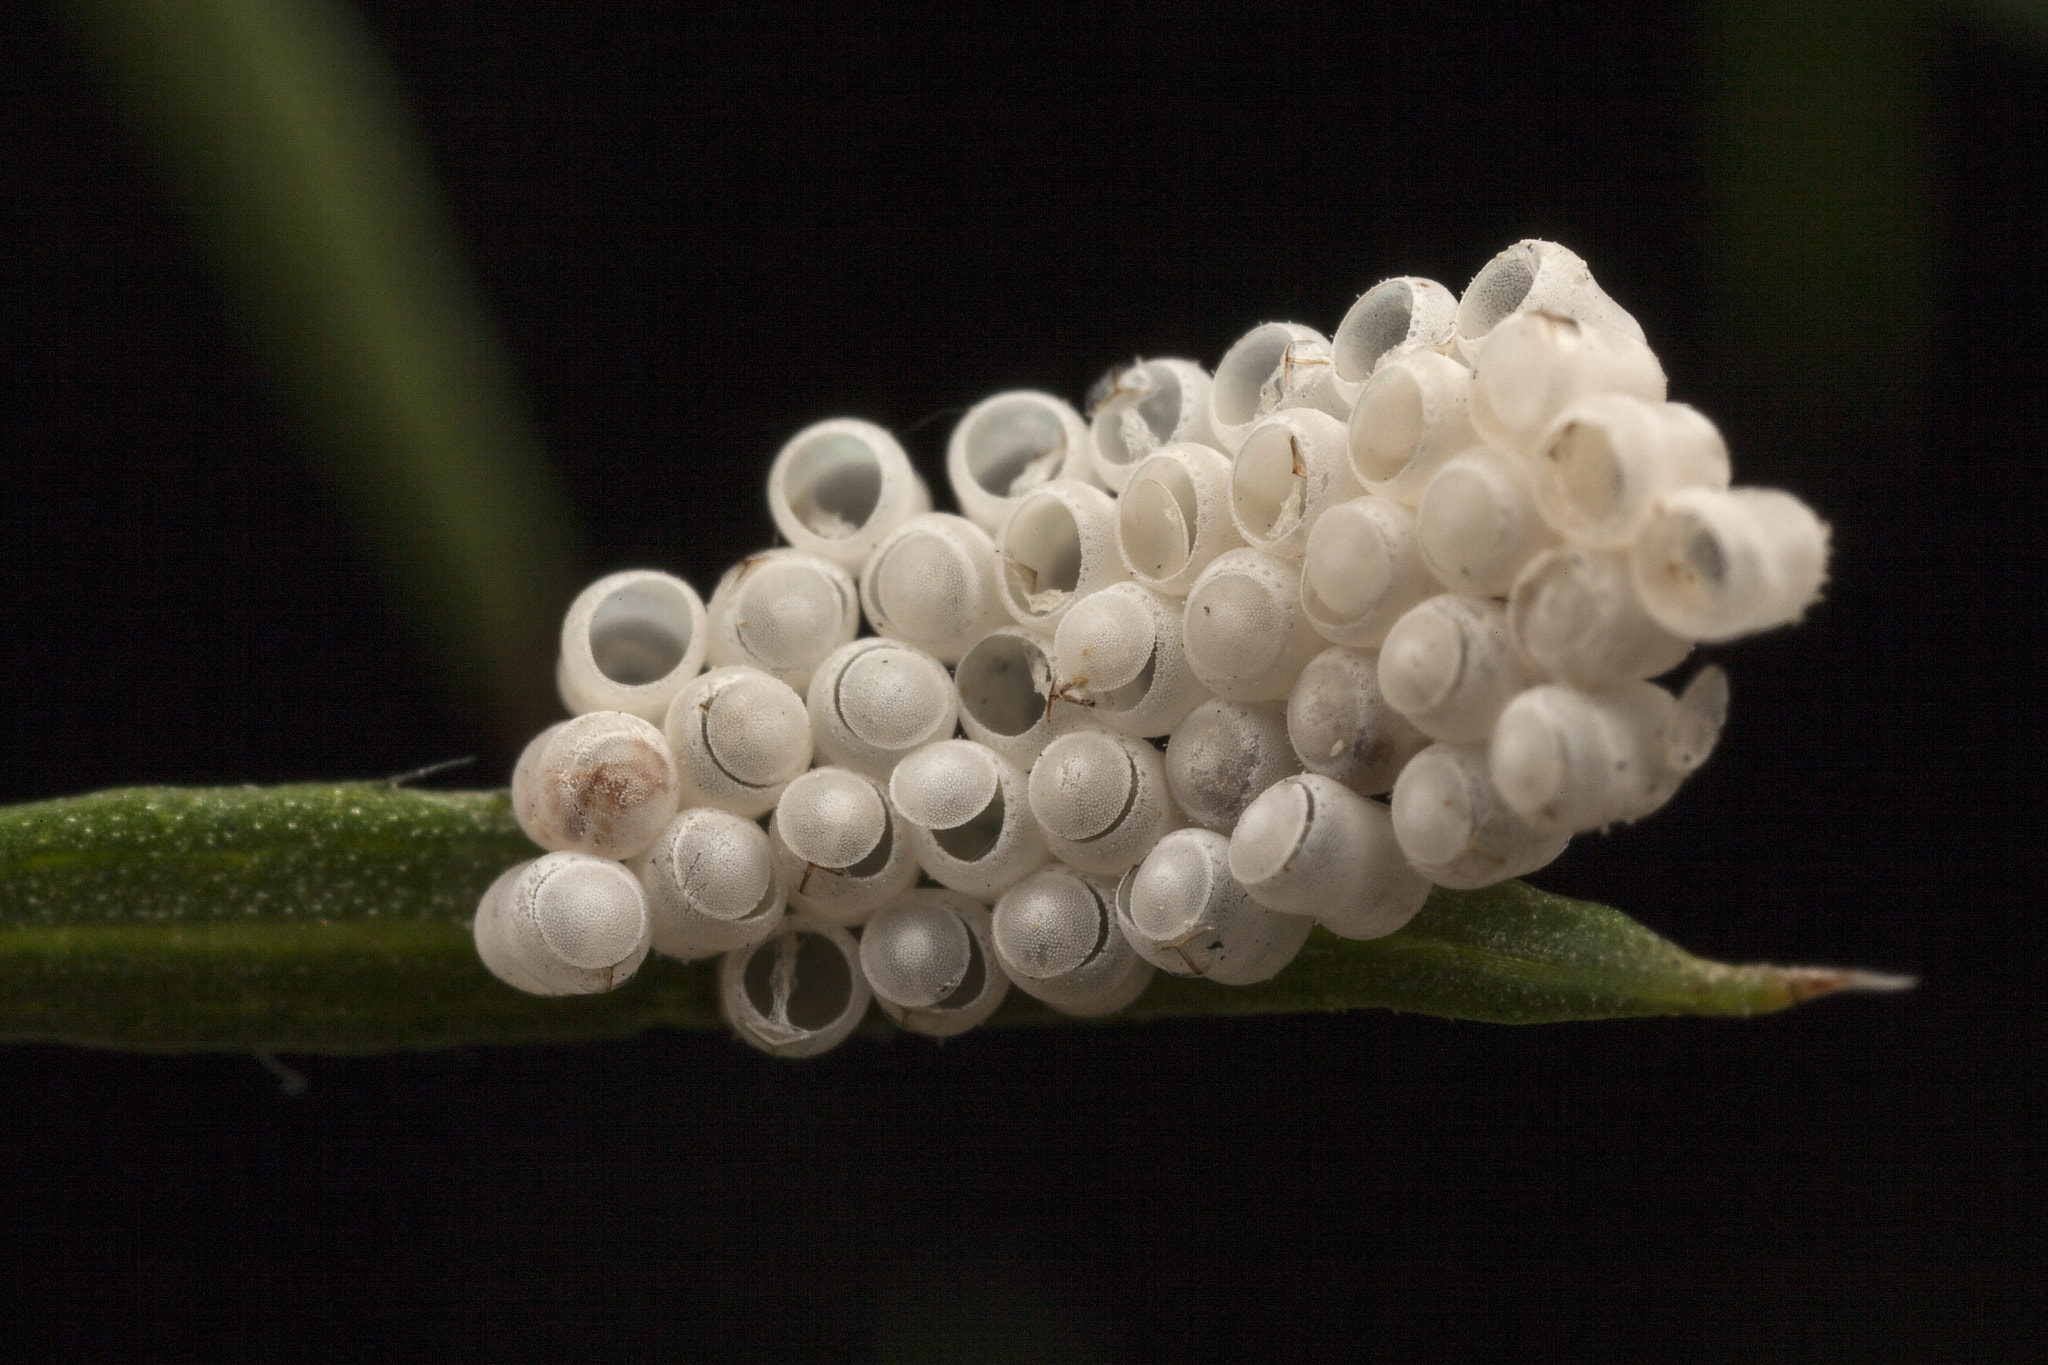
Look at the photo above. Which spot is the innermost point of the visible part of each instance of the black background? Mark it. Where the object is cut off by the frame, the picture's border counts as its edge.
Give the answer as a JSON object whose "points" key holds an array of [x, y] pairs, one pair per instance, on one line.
{"points": [[699, 233]]}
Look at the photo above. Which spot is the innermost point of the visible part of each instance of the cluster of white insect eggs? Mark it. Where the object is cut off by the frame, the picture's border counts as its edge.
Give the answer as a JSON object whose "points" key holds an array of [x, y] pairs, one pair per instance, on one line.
{"points": [[1234, 654]]}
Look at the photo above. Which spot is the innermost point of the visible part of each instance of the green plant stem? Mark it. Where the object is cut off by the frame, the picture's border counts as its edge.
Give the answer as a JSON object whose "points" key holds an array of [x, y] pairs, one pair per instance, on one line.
{"points": [[334, 918]]}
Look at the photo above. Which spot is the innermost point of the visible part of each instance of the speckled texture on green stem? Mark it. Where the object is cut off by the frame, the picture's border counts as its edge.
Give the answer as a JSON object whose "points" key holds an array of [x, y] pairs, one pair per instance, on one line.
{"points": [[334, 917]]}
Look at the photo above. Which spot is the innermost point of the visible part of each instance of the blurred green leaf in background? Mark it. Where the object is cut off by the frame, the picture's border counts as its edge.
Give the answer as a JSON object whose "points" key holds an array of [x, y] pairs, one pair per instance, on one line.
{"points": [[284, 134]]}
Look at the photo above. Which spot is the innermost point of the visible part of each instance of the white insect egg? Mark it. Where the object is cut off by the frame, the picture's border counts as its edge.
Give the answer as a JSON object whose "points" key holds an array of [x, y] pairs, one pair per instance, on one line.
{"points": [[1275, 365], [968, 817], [798, 992], [1535, 276], [1576, 618], [916, 951], [933, 583], [1119, 653], [1601, 467], [1535, 365], [739, 737], [1056, 936], [1058, 546], [1010, 444], [1005, 685], [711, 885], [782, 611], [875, 700], [579, 923], [1362, 571], [1457, 829], [1572, 760], [493, 935], [1311, 846], [1101, 800], [564, 924], [948, 784], [1293, 467], [931, 963], [1146, 407], [1185, 914], [524, 774], [1714, 564], [629, 643], [1244, 630], [1449, 667], [839, 486], [604, 783], [1174, 517], [838, 849], [1223, 755], [1342, 726], [1394, 317], [1410, 418], [1478, 523]]}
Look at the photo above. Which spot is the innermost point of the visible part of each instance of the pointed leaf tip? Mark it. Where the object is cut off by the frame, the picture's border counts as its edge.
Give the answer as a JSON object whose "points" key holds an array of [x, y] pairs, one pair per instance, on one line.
{"points": [[1811, 983]]}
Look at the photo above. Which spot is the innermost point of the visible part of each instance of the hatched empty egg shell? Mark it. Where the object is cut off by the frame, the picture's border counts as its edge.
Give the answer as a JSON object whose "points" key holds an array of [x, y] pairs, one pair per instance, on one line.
{"points": [[630, 641], [1293, 467], [1715, 564], [798, 992], [1010, 444], [1005, 684], [1606, 461], [1394, 317], [839, 486], [1535, 277], [1411, 417], [1143, 407], [1057, 547], [1274, 366], [1174, 517]]}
